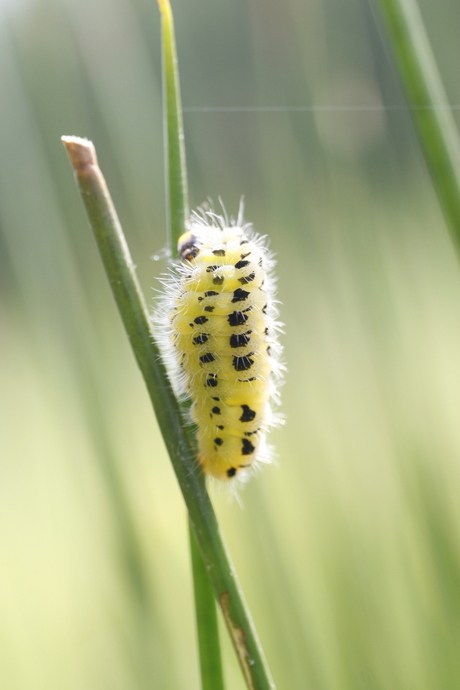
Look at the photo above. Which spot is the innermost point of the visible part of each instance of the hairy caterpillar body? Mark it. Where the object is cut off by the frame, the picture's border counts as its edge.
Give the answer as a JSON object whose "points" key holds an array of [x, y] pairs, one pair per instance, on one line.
{"points": [[218, 328]]}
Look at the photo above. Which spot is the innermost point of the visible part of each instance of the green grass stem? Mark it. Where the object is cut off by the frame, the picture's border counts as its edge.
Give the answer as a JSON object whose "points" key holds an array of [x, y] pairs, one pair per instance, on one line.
{"points": [[175, 167], [131, 304], [433, 118], [206, 622], [177, 205]]}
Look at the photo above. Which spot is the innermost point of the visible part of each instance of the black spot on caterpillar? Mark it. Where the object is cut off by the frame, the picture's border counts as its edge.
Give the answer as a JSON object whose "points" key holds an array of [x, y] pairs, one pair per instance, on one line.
{"points": [[248, 448], [237, 318], [240, 340], [247, 279], [208, 357], [240, 295], [248, 414], [243, 363], [201, 339]]}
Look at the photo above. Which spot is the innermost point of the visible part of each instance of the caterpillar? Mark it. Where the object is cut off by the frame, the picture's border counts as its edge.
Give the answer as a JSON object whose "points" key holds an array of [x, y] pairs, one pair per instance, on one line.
{"points": [[217, 330]]}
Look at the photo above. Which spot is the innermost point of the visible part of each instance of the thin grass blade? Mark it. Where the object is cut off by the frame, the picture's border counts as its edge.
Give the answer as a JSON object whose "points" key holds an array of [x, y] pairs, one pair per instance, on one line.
{"points": [[177, 205], [175, 166], [433, 118], [206, 622], [131, 305]]}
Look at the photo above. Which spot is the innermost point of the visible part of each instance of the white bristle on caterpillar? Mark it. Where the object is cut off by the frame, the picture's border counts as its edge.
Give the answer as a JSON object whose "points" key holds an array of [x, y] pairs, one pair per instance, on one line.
{"points": [[217, 330]]}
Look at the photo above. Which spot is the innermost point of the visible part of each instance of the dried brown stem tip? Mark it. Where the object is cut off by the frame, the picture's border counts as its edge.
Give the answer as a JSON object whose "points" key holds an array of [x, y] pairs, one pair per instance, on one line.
{"points": [[81, 152]]}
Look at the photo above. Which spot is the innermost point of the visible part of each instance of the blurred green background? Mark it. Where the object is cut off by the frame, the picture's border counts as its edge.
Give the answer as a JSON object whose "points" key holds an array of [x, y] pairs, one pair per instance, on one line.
{"points": [[349, 549]]}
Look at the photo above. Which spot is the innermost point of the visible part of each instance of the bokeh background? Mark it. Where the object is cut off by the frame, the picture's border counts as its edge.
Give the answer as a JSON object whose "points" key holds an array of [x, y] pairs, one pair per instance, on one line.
{"points": [[349, 549]]}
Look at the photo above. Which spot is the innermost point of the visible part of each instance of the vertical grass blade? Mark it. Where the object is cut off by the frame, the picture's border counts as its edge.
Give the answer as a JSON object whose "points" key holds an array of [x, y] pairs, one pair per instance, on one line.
{"points": [[177, 209], [206, 622], [120, 271], [175, 167], [433, 118]]}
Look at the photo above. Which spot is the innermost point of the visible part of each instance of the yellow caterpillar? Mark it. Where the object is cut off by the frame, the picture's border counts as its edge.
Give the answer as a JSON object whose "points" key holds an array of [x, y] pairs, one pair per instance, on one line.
{"points": [[218, 336]]}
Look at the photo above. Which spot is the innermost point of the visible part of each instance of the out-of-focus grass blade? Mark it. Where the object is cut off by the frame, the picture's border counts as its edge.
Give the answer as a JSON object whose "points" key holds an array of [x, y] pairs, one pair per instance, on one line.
{"points": [[131, 304], [434, 122]]}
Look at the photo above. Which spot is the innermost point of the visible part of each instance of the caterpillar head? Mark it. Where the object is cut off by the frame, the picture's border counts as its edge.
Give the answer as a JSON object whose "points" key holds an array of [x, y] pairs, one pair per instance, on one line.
{"points": [[188, 246]]}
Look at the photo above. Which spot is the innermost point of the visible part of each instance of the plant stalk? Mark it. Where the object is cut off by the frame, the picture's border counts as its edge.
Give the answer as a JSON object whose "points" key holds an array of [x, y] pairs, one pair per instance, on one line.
{"points": [[206, 622], [175, 166], [131, 304], [432, 115], [177, 205]]}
